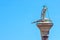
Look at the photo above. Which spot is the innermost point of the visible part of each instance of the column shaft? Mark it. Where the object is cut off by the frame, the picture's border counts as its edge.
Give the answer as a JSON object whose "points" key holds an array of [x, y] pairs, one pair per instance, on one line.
{"points": [[44, 37]]}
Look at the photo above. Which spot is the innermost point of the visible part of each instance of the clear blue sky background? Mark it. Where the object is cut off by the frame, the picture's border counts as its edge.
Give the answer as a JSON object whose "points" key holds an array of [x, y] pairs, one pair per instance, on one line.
{"points": [[16, 17]]}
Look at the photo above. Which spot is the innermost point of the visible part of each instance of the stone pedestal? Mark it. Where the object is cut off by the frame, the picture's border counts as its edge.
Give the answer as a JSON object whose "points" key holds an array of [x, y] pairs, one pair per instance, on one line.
{"points": [[44, 29]]}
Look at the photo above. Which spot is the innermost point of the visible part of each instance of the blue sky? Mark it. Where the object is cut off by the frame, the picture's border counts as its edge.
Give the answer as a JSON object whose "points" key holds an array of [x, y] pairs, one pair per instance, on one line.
{"points": [[16, 17]]}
